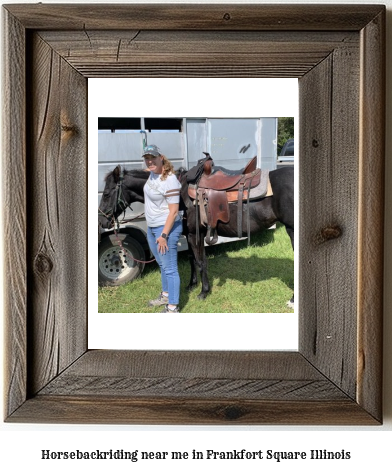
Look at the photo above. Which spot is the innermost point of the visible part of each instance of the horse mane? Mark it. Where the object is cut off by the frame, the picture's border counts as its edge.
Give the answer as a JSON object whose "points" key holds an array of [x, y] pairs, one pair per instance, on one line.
{"points": [[143, 174], [137, 173]]}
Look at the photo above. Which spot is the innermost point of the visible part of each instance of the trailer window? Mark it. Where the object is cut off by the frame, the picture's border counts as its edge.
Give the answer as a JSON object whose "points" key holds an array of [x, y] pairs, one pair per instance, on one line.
{"points": [[163, 124]]}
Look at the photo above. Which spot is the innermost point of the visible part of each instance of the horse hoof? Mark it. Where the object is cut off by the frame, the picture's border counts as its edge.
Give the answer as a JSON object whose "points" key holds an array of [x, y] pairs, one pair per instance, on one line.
{"points": [[190, 288], [201, 296], [290, 304]]}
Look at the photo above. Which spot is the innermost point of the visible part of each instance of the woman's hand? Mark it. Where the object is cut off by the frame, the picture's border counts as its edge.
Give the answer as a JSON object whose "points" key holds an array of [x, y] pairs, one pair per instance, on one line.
{"points": [[161, 241], [162, 245]]}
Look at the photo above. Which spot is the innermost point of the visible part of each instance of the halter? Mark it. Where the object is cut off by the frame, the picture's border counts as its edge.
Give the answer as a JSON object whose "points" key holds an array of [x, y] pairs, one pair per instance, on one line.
{"points": [[120, 201]]}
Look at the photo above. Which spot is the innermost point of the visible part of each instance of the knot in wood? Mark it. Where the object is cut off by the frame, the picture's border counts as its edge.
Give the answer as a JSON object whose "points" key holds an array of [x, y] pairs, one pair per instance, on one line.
{"points": [[315, 143], [227, 16], [328, 233], [232, 412], [68, 128], [43, 264]]}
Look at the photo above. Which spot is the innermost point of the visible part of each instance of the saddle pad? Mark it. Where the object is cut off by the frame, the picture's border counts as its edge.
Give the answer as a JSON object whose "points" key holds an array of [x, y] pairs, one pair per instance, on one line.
{"points": [[263, 189]]}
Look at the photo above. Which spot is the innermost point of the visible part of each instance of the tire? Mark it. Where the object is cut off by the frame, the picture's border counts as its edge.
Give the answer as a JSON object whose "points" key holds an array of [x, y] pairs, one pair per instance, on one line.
{"points": [[115, 262]]}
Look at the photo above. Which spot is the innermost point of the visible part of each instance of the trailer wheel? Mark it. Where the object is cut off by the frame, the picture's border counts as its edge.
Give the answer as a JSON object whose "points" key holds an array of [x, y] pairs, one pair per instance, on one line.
{"points": [[116, 264]]}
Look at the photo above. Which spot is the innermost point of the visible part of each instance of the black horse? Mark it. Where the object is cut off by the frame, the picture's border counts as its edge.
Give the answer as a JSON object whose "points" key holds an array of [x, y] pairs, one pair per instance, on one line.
{"points": [[123, 187]]}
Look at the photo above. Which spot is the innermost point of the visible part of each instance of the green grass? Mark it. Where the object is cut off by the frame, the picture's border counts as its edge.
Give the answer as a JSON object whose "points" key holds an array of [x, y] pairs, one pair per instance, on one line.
{"points": [[254, 279]]}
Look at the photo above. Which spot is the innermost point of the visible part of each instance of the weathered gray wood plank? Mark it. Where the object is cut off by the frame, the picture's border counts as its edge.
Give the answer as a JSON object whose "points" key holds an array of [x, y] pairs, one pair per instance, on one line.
{"points": [[14, 222], [57, 198], [329, 223], [188, 387], [122, 44], [192, 17], [162, 53], [208, 364], [371, 216], [182, 374], [103, 409]]}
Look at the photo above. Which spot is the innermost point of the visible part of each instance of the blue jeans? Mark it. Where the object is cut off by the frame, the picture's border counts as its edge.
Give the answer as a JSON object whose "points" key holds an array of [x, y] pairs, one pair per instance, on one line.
{"points": [[168, 261]]}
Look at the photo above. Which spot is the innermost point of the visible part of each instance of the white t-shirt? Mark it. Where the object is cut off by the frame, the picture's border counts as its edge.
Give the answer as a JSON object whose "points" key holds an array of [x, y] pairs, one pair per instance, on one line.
{"points": [[157, 195]]}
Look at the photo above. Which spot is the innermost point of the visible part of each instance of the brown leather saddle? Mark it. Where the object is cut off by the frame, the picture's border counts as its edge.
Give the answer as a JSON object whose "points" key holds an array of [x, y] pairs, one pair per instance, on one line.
{"points": [[217, 187]]}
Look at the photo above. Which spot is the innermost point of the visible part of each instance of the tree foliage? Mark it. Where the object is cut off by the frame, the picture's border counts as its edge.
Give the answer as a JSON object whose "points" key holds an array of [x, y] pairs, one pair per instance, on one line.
{"points": [[285, 131]]}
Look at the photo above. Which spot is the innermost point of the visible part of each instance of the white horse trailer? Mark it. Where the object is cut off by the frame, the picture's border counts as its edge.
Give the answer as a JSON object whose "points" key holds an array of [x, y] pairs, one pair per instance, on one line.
{"points": [[231, 142]]}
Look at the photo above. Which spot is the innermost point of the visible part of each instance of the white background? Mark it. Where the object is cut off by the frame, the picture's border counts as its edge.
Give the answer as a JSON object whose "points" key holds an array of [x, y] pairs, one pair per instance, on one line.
{"points": [[21, 445]]}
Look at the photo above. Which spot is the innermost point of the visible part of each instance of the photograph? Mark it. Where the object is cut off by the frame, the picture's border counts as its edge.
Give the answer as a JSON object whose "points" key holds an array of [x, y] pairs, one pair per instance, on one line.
{"points": [[200, 182]]}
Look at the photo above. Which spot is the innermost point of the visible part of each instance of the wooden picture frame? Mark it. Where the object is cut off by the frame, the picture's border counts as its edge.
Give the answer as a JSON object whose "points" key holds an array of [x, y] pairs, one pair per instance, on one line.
{"points": [[338, 54]]}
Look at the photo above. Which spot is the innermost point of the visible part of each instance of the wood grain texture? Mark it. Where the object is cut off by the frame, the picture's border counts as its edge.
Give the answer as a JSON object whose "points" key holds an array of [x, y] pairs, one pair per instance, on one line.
{"points": [[153, 411], [56, 208], [208, 364], [194, 17], [14, 224], [208, 375], [328, 203], [192, 387], [186, 387], [371, 215], [193, 53], [335, 378]]}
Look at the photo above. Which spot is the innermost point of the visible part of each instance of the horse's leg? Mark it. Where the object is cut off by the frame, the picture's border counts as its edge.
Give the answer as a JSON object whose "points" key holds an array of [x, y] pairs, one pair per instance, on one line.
{"points": [[191, 256], [290, 232], [201, 262]]}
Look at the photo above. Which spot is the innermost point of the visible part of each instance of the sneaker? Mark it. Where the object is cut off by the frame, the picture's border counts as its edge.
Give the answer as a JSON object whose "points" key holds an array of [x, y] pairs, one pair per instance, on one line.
{"points": [[161, 300], [166, 309]]}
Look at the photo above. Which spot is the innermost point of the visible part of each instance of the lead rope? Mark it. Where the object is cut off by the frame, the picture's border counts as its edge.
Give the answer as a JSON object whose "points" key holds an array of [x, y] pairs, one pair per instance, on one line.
{"points": [[126, 251], [118, 240]]}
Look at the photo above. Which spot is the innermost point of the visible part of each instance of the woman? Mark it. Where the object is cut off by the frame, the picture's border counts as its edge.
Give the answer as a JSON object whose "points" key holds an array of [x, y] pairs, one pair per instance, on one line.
{"points": [[161, 202]]}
